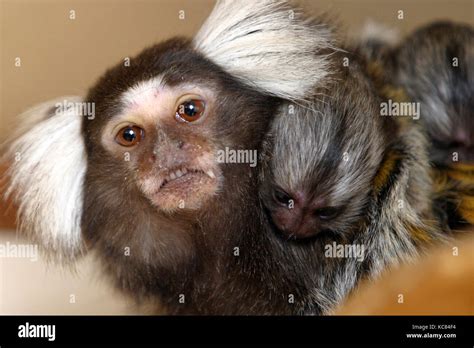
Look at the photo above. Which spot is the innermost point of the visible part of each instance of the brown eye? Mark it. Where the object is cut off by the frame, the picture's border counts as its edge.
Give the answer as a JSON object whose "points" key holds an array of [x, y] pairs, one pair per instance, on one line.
{"points": [[129, 136], [190, 110]]}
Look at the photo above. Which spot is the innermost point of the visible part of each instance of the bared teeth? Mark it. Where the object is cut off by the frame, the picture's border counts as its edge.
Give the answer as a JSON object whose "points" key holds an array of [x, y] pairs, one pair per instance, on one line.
{"points": [[183, 171], [211, 174]]}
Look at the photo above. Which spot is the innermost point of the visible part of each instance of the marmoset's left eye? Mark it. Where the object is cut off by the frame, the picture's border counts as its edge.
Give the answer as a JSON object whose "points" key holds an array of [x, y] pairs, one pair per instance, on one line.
{"points": [[190, 110]]}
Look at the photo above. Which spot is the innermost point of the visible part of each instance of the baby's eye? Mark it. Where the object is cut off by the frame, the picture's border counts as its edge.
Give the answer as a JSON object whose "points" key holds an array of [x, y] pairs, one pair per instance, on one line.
{"points": [[282, 197], [327, 213]]}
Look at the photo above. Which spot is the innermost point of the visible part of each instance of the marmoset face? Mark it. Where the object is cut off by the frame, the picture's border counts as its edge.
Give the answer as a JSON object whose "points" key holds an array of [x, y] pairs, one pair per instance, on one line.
{"points": [[160, 123], [324, 158]]}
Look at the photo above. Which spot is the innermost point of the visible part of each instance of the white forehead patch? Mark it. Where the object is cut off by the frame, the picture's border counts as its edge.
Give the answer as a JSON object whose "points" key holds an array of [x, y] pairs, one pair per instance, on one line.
{"points": [[144, 96], [153, 99]]}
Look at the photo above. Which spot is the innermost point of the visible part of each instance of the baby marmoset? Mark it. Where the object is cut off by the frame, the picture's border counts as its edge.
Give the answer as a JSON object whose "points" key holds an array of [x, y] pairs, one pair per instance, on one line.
{"points": [[433, 68], [324, 155], [338, 171], [434, 65]]}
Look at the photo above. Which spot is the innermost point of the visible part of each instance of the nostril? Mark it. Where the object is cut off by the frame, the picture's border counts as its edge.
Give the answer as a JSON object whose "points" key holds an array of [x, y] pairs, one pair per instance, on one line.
{"points": [[283, 198]]}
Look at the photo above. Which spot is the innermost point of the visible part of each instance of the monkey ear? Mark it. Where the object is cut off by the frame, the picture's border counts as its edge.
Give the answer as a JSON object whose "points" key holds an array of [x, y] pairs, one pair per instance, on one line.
{"points": [[268, 45], [47, 161]]}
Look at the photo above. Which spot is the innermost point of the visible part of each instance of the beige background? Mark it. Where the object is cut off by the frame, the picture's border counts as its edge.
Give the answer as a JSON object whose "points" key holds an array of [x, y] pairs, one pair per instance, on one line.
{"points": [[60, 56]]}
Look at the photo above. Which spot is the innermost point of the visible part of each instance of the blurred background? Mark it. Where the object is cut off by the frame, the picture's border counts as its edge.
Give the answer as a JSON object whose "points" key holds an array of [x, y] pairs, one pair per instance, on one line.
{"points": [[63, 46]]}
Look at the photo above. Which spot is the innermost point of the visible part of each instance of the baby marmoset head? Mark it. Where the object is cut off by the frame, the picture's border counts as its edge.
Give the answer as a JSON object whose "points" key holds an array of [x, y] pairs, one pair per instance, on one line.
{"points": [[323, 157], [431, 70], [435, 67]]}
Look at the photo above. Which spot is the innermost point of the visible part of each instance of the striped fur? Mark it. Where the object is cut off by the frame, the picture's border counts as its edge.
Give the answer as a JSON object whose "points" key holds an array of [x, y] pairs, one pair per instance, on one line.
{"points": [[392, 234], [422, 68]]}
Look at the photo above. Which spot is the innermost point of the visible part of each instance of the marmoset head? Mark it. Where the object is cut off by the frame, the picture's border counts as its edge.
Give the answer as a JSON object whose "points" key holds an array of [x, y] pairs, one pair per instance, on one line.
{"points": [[159, 124], [435, 66], [323, 159]]}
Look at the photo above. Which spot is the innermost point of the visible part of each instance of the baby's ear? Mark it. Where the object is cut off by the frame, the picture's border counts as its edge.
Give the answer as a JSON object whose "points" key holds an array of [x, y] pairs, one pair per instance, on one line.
{"points": [[268, 45], [45, 179]]}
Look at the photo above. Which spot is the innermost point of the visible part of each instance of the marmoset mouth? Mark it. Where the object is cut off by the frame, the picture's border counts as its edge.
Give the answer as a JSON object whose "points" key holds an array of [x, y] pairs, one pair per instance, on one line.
{"points": [[183, 187], [183, 175]]}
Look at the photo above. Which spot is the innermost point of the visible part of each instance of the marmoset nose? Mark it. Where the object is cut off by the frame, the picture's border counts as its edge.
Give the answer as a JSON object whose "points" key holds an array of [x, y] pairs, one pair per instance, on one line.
{"points": [[297, 216], [171, 151]]}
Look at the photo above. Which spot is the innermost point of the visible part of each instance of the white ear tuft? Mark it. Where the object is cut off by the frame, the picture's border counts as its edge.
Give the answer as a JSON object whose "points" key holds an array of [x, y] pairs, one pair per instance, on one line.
{"points": [[47, 166], [268, 45]]}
